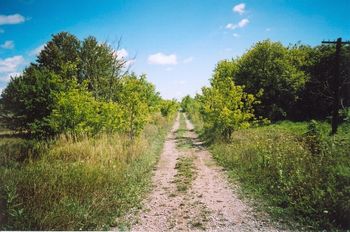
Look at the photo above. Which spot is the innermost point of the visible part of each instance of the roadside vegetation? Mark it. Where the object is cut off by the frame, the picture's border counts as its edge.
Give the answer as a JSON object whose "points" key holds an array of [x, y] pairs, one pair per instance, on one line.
{"points": [[81, 136], [266, 118]]}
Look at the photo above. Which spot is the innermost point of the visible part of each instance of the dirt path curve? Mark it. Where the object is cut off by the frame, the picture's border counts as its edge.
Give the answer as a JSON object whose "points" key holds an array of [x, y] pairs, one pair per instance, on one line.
{"points": [[209, 203]]}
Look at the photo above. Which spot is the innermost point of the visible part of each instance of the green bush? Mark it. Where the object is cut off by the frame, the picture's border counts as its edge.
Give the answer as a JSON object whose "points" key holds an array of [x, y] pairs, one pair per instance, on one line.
{"points": [[78, 112]]}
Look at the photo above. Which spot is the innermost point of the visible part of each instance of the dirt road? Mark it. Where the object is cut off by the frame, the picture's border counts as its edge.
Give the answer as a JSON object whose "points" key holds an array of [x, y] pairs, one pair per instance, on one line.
{"points": [[190, 192]]}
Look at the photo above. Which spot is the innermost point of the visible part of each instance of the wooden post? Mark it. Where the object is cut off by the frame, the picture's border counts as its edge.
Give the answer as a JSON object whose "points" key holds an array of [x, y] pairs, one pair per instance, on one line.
{"points": [[336, 84]]}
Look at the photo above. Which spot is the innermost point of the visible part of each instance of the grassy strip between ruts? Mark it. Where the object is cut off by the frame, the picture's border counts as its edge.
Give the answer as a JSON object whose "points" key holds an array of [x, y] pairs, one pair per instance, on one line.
{"points": [[183, 141], [185, 173], [81, 185]]}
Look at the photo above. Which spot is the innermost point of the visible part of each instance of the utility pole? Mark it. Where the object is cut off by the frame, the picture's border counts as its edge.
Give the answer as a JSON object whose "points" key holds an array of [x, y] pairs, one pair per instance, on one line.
{"points": [[336, 83]]}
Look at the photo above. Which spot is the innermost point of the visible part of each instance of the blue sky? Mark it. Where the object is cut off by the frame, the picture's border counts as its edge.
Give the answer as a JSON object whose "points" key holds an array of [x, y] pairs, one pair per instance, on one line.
{"points": [[175, 42]]}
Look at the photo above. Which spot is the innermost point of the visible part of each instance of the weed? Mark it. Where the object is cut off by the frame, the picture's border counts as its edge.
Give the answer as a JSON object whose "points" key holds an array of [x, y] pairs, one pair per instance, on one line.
{"points": [[185, 173]]}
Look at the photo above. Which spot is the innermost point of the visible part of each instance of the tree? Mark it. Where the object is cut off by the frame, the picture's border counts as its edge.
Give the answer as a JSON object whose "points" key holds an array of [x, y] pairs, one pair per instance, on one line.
{"points": [[138, 99], [101, 67], [61, 55], [28, 100], [225, 106], [274, 69], [168, 107], [185, 103]]}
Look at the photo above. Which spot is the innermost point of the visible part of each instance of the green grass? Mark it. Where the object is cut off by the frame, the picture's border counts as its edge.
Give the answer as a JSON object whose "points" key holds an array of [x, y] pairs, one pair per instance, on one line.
{"points": [[80, 184], [185, 173], [183, 141], [301, 173]]}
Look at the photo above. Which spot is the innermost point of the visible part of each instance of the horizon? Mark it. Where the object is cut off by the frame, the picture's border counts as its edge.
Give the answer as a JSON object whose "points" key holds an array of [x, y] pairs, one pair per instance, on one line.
{"points": [[176, 43]]}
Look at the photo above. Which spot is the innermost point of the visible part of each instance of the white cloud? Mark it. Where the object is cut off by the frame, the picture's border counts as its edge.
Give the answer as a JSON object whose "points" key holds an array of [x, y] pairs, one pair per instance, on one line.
{"points": [[240, 24], [240, 8], [11, 19], [235, 35], [36, 51], [243, 23], [230, 26], [122, 53], [10, 64], [162, 59], [8, 44], [188, 60], [128, 63], [7, 76]]}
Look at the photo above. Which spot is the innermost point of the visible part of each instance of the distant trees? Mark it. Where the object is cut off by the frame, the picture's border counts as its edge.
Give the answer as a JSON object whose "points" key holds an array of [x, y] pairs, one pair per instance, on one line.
{"points": [[274, 82], [78, 87]]}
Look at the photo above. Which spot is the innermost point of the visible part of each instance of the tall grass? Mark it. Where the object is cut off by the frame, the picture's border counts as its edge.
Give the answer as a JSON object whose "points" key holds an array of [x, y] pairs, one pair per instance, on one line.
{"points": [[303, 172], [81, 184]]}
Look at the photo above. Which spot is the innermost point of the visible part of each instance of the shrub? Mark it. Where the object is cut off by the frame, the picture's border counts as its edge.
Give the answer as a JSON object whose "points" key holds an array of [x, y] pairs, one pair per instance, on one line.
{"points": [[78, 112]]}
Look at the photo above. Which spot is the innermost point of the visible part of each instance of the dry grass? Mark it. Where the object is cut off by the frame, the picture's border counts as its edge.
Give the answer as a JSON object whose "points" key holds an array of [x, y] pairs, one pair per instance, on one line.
{"points": [[81, 184]]}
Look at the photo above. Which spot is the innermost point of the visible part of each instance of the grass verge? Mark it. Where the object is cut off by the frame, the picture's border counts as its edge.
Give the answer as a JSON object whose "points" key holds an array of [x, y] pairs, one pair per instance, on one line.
{"points": [[301, 173], [80, 185]]}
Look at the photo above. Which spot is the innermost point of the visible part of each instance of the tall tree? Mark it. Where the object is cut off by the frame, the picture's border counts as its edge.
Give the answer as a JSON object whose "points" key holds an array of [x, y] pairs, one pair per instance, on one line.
{"points": [[61, 55], [101, 67], [270, 67]]}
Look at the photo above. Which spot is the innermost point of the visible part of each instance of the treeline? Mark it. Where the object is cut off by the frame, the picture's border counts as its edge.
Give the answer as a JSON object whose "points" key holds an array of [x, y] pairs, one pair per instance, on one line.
{"points": [[297, 168], [273, 82], [90, 133], [80, 87]]}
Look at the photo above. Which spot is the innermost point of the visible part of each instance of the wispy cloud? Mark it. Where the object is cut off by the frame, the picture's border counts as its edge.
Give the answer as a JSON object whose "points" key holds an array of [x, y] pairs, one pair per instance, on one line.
{"points": [[11, 19], [235, 35], [129, 63], [240, 24], [122, 53], [11, 64], [8, 44], [240, 8], [162, 59], [229, 26], [188, 60], [36, 51], [7, 76]]}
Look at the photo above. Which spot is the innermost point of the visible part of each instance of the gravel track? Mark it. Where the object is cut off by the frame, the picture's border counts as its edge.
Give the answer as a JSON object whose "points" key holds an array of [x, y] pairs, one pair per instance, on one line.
{"points": [[210, 203]]}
